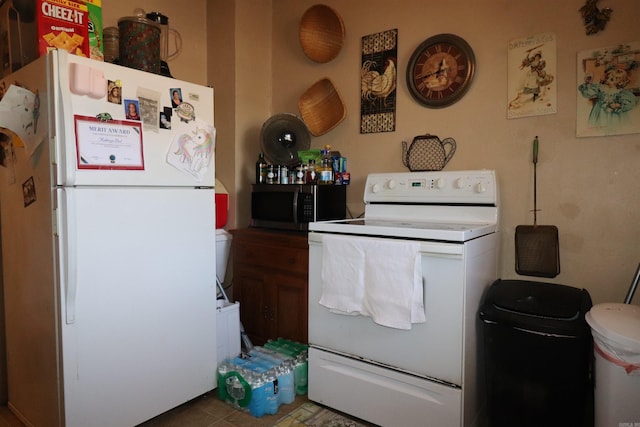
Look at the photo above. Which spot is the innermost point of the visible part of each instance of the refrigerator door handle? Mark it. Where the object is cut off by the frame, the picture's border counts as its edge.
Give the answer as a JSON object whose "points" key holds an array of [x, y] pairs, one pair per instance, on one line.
{"points": [[70, 255], [66, 157]]}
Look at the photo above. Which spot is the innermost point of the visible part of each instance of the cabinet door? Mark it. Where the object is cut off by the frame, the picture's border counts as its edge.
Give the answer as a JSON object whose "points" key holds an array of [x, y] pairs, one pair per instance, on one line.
{"points": [[270, 282], [288, 306], [249, 290]]}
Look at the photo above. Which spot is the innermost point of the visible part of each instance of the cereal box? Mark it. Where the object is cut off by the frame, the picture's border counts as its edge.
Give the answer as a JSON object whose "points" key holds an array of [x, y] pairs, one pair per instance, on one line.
{"points": [[63, 24], [96, 47]]}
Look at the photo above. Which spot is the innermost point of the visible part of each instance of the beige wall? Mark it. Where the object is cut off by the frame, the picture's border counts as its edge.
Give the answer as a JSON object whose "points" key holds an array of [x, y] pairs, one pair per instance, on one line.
{"points": [[587, 187], [253, 96]]}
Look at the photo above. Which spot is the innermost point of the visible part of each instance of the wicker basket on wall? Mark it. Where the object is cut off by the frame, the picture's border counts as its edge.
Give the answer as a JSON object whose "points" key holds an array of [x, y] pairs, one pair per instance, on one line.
{"points": [[321, 107], [321, 33]]}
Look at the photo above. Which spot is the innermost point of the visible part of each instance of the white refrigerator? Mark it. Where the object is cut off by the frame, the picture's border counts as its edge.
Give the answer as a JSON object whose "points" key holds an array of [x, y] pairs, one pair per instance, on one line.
{"points": [[108, 242]]}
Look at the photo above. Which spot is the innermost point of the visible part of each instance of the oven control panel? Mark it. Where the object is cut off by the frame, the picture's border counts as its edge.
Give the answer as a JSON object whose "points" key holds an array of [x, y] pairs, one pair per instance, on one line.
{"points": [[476, 187]]}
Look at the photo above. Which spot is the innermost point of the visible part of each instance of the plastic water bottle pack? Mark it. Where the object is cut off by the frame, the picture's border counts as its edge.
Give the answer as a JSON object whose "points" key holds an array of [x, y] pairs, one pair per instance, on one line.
{"points": [[265, 378]]}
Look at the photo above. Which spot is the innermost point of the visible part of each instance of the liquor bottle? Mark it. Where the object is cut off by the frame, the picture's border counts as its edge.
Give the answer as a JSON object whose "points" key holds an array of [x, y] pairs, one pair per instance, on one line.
{"points": [[261, 170], [325, 171], [312, 174]]}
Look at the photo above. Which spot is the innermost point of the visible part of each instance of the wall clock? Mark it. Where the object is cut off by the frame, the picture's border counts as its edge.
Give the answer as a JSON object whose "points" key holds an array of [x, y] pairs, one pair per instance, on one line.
{"points": [[440, 70]]}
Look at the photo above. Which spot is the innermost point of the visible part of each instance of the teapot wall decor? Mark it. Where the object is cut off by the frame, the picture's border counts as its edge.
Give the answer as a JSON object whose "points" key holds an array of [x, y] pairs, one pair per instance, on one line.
{"points": [[427, 153]]}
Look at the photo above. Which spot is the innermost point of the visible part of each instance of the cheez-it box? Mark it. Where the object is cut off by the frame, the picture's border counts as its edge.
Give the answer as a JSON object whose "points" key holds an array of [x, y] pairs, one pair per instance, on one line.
{"points": [[62, 24]]}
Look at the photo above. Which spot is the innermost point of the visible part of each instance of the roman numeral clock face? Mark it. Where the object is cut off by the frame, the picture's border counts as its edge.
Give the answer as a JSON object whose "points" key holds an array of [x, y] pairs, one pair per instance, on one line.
{"points": [[440, 70]]}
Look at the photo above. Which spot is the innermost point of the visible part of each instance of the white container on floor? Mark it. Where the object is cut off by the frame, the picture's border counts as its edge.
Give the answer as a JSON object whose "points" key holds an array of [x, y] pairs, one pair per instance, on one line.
{"points": [[223, 250], [228, 329], [616, 336]]}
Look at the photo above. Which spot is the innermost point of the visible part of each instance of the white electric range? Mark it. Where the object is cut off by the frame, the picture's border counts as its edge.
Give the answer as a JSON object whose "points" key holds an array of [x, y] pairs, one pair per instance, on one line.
{"points": [[419, 363]]}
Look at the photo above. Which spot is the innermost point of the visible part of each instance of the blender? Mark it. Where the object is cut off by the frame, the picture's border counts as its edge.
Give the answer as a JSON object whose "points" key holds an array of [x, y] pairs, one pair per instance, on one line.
{"points": [[170, 41]]}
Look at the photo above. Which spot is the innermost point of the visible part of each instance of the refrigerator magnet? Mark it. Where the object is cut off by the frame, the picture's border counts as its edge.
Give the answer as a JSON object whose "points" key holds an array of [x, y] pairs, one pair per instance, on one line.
{"points": [[132, 109], [108, 145], [176, 96], [86, 80], [114, 89], [165, 118], [149, 101], [104, 117], [186, 112]]}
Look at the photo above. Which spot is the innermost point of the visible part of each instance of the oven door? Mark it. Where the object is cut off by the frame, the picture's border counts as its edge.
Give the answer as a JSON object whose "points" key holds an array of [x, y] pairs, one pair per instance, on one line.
{"points": [[433, 349]]}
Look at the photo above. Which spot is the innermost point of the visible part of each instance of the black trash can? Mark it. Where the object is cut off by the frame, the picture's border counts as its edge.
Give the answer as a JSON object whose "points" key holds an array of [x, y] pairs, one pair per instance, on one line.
{"points": [[538, 354]]}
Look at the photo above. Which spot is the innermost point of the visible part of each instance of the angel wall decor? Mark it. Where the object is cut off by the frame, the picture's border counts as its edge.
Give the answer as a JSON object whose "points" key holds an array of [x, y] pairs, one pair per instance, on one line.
{"points": [[594, 19]]}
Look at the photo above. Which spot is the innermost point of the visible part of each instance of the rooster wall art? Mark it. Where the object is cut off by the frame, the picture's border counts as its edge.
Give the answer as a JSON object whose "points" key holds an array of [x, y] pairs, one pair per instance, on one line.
{"points": [[377, 87], [378, 82]]}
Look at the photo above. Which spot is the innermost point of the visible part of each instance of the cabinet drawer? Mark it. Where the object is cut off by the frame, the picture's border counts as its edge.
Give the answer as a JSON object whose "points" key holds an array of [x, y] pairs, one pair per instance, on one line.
{"points": [[273, 257]]}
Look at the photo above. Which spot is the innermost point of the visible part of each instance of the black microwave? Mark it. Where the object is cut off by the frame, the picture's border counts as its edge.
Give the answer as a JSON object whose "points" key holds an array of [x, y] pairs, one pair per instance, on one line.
{"points": [[294, 206]]}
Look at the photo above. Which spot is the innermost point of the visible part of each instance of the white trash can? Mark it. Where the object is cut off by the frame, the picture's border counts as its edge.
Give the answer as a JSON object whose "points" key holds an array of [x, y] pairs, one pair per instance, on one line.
{"points": [[228, 329], [616, 339], [223, 250]]}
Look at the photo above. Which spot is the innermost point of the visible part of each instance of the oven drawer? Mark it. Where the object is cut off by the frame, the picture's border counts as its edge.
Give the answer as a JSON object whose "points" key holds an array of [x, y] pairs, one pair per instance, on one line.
{"points": [[368, 392]]}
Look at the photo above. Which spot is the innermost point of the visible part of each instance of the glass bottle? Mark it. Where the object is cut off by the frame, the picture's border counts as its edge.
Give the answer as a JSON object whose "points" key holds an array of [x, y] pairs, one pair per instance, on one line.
{"points": [[284, 174], [325, 171], [312, 176], [300, 174], [261, 170], [271, 174]]}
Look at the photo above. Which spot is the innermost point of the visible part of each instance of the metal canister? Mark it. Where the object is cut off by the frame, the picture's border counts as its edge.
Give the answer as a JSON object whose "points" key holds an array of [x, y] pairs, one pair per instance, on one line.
{"points": [[271, 174], [300, 174], [284, 174], [111, 40]]}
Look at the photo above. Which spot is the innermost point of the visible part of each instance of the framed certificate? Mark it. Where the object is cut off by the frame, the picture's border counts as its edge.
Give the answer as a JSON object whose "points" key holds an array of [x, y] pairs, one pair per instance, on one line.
{"points": [[108, 144]]}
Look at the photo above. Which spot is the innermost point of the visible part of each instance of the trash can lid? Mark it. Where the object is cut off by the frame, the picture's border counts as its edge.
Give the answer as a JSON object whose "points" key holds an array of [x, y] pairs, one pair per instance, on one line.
{"points": [[537, 306], [539, 299], [619, 323]]}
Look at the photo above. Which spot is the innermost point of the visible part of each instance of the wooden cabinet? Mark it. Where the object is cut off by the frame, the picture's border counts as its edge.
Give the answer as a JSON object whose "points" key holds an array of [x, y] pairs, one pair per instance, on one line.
{"points": [[270, 273]]}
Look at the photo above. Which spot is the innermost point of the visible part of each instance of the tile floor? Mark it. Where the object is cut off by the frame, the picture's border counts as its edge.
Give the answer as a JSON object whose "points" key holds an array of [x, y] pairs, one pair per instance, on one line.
{"points": [[204, 411]]}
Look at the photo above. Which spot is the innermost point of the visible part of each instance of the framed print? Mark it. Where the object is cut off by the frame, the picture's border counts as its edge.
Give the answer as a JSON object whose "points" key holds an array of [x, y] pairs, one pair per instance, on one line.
{"points": [[531, 76], [609, 90], [378, 82]]}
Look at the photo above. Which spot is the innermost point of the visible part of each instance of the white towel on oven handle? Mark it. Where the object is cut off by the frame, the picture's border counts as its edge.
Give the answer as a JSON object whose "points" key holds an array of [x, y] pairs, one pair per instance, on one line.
{"points": [[373, 277], [342, 274], [393, 284]]}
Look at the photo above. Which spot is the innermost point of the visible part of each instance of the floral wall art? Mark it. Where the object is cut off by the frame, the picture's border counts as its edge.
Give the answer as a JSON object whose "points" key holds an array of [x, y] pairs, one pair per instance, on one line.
{"points": [[609, 90]]}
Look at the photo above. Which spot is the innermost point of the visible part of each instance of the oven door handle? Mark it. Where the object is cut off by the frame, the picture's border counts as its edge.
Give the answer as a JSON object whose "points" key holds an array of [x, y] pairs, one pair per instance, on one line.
{"points": [[426, 248], [435, 248]]}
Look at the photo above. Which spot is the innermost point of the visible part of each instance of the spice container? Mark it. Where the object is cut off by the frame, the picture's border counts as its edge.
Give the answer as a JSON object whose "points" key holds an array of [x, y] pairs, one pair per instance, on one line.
{"points": [[110, 38]]}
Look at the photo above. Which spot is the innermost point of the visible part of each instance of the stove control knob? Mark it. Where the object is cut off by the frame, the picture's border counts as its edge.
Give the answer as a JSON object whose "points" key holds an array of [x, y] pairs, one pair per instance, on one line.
{"points": [[480, 188], [375, 188], [391, 184], [440, 183], [462, 182]]}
